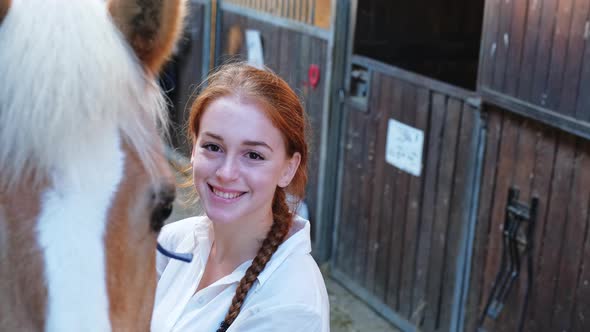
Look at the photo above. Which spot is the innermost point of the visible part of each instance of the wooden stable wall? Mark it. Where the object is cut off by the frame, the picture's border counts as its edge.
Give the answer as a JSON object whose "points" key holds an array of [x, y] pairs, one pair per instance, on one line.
{"points": [[535, 60], [555, 167], [289, 52], [399, 237], [187, 69]]}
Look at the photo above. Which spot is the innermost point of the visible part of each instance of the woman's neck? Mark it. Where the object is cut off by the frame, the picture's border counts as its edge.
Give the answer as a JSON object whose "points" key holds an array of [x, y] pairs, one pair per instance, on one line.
{"points": [[237, 242]]}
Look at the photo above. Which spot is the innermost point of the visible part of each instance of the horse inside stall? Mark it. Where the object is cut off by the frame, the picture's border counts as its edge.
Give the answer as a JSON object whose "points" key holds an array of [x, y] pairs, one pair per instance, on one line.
{"points": [[84, 185]]}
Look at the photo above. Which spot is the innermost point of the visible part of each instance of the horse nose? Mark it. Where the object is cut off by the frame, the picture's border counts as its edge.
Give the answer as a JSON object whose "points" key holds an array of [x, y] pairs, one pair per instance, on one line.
{"points": [[163, 199]]}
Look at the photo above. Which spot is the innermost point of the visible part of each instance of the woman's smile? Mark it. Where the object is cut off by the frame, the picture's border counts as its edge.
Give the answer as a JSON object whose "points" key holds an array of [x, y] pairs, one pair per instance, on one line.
{"points": [[225, 194]]}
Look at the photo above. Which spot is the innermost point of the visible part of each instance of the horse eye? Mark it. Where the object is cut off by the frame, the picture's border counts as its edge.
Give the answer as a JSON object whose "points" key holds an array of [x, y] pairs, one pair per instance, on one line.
{"points": [[159, 215]]}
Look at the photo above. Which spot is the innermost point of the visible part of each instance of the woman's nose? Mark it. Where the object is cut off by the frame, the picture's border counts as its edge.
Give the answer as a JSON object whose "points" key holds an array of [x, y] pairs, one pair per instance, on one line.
{"points": [[227, 170]]}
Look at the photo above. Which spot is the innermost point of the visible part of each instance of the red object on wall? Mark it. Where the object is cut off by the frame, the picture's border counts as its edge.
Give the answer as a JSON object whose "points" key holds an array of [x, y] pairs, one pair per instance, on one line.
{"points": [[313, 75]]}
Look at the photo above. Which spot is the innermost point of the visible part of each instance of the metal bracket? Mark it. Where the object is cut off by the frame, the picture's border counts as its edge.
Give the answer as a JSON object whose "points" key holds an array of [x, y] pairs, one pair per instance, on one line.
{"points": [[516, 245]]}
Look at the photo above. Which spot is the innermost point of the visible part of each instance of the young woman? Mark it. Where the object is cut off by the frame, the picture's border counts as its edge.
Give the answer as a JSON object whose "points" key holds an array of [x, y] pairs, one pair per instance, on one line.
{"points": [[252, 269]]}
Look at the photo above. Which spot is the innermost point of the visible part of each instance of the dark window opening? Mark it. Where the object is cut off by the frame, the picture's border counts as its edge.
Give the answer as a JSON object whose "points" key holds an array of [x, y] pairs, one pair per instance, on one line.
{"points": [[435, 38]]}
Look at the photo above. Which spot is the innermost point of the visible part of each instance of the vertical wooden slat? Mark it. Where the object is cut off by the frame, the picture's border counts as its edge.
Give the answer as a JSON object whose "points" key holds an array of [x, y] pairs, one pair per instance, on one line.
{"points": [[345, 222], [433, 144], [417, 118], [444, 188], [571, 255], [389, 195], [403, 114], [379, 122], [553, 234], [522, 180], [580, 318], [531, 37], [458, 215], [573, 65], [367, 175], [539, 93], [505, 166], [503, 44], [486, 202], [514, 59], [558, 53], [544, 165], [490, 45]]}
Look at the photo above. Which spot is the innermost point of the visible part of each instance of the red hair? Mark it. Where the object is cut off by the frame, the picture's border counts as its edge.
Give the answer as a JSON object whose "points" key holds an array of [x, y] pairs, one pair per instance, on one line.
{"points": [[283, 108]]}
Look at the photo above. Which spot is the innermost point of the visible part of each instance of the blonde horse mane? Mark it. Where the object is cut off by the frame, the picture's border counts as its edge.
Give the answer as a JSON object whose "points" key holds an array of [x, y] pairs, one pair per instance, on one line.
{"points": [[69, 77]]}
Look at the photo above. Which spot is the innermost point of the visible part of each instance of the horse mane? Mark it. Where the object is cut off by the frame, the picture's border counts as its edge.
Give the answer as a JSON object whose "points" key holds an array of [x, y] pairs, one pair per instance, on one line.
{"points": [[68, 79]]}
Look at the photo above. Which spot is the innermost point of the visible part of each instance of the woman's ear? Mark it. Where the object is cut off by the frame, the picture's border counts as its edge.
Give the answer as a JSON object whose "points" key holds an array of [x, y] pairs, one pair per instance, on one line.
{"points": [[4, 5], [151, 27], [290, 169]]}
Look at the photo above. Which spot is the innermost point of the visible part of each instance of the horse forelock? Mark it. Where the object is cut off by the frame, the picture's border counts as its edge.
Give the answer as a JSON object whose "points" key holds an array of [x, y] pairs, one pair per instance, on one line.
{"points": [[68, 79]]}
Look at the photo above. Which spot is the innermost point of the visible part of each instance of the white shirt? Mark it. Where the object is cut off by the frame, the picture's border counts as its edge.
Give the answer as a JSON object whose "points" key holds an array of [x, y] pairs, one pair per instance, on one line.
{"points": [[289, 294]]}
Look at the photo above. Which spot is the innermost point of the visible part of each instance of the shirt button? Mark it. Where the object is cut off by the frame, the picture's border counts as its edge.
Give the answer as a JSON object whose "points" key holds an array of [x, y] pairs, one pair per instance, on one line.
{"points": [[200, 301]]}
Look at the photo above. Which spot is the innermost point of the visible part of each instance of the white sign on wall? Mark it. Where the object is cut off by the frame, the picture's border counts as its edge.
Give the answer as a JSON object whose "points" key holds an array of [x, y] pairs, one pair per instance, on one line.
{"points": [[254, 47], [403, 148]]}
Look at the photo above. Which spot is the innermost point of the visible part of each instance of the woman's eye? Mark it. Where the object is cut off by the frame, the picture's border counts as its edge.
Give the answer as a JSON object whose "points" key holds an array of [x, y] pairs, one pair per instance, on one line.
{"points": [[211, 147], [254, 156]]}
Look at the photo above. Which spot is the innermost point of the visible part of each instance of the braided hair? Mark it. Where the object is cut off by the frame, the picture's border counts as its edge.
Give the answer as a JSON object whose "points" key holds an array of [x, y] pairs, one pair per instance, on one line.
{"points": [[283, 108]]}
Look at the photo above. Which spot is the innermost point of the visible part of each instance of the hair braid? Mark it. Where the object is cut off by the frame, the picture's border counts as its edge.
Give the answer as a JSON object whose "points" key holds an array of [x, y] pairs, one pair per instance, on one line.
{"points": [[276, 235]]}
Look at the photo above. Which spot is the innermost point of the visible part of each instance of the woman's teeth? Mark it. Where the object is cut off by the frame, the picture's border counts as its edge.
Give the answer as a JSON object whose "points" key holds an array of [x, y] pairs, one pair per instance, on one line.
{"points": [[225, 195]]}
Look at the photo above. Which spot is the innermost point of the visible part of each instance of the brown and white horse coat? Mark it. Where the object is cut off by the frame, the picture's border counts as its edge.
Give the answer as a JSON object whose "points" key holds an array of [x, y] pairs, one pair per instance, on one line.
{"points": [[82, 172]]}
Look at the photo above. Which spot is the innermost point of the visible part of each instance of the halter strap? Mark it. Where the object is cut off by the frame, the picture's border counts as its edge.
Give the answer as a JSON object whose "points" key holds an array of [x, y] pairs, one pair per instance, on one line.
{"points": [[185, 257]]}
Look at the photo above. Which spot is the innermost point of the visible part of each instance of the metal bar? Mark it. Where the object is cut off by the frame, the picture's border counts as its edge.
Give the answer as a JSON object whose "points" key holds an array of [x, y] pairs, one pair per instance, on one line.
{"points": [[374, 302], [424, 81], [324, 212], [468, 238], [571, 125], [277, 21]]}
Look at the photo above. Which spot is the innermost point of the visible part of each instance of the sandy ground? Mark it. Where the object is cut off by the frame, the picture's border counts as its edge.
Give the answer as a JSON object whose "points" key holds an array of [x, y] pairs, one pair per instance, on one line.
{"points": [[347, 312]]}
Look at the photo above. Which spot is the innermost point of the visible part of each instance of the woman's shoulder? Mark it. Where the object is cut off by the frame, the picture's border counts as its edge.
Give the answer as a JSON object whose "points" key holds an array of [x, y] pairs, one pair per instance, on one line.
{"points": [[175, 232]]}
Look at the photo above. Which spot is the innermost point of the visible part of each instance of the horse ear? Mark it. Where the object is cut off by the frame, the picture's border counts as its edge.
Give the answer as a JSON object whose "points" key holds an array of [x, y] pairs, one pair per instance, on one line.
{"points": [[4, 5], [151, 27]]}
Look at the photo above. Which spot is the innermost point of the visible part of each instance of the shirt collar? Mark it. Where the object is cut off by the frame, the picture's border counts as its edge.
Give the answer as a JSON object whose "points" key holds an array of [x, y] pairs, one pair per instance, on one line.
{"points": [[298, 243]]}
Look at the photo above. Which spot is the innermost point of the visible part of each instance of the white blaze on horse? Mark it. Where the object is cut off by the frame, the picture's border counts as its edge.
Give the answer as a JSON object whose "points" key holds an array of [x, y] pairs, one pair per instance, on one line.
{"points": [[84, 185]]}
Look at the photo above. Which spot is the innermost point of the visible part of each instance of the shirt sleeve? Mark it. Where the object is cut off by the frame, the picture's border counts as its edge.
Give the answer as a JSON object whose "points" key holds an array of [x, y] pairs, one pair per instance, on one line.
{"points": [[292, 318]]}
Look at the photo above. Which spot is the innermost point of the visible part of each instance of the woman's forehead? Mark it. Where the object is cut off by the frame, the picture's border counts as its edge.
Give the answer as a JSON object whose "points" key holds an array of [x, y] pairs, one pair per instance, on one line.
{"points": [[237, 120]]}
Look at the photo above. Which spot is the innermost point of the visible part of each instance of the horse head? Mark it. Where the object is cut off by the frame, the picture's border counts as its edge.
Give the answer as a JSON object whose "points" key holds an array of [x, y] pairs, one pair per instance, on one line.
{"points": [[84, 184]]}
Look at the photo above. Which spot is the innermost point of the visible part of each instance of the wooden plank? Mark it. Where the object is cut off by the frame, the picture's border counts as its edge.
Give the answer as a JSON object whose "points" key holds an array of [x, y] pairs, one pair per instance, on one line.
{"points": [[522, 180], [502, 45], [404, 114], [531, 39], [544, 164], [541, 71], [559, 55], [583, 102], [490, 42], [575, 53], [580, 317], [346, 227], [379, 102], [459, 206], [322, 13], [367, 175], [418, 118], [389, 196], [444, 189], [514, 60], [554, 230], [573, 241], [488, 180], [506, 164], [431, 165]]}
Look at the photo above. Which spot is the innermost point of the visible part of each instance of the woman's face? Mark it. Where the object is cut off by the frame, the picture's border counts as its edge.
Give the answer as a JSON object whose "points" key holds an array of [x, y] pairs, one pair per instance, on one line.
{"points": [[238, 161]]}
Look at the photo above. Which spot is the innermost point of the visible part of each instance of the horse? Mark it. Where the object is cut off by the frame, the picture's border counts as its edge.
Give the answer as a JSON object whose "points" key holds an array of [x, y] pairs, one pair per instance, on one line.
{"points": [[84, 183]]}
